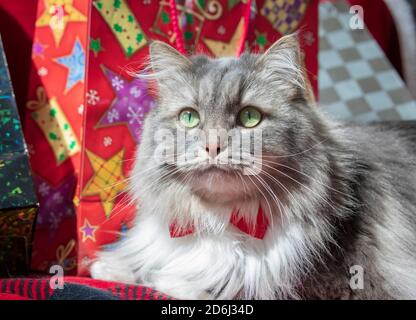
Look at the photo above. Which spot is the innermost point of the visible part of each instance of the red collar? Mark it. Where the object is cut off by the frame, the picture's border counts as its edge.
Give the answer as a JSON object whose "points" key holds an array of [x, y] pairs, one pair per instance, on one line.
{"points": [[257, 231]]}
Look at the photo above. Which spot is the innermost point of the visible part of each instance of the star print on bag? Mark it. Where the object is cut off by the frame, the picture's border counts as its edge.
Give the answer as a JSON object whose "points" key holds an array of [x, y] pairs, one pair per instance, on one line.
{"points": [[130, 105], [75, 63], [107, 180]]}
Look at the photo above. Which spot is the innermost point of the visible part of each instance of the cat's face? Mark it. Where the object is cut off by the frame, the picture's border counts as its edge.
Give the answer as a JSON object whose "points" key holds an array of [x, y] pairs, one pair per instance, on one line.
{"points": [[229, 121]]}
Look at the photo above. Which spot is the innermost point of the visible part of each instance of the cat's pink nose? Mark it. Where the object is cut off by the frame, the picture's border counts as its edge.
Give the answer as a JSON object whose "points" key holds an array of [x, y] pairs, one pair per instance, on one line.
{"points": [[213, 150]]}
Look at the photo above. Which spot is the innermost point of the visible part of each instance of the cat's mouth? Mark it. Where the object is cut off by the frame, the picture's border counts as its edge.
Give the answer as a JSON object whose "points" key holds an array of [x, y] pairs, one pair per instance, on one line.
{"points": [[217, 168], [232, 170], [220, 183]]}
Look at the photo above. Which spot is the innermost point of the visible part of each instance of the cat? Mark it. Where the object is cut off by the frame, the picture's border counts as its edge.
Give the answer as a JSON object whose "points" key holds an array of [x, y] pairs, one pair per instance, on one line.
{"points": [[338, 200]]}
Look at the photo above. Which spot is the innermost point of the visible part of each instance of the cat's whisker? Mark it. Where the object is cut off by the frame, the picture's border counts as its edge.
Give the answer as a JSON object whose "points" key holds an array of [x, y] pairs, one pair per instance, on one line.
{"points": [[298, 153], [272, 193], [116, 184], [309, 189], [245, 187], [309, 177], [130, 199], [302, 185], [123, 203], [280, 204], [126, 194], [282, 186], [264, 197], [160, 179], [127, 160], [127, 179], [133, 175], [118, 233]]}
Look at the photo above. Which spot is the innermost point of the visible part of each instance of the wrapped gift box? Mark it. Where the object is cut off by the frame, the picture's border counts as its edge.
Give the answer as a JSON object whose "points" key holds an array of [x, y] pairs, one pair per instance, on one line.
{"points": [[18, 202]]}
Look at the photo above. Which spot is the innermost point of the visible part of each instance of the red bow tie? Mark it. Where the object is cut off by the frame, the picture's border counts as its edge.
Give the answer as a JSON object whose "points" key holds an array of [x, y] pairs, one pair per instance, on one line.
{"points": [[257, 231]]}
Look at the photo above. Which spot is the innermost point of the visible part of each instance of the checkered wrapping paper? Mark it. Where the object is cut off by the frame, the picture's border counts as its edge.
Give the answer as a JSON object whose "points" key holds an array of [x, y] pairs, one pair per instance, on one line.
{"points": [[356, 81]]}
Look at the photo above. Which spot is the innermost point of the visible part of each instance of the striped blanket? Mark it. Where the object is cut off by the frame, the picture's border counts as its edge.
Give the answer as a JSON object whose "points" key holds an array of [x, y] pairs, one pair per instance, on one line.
{"points": [[75, 288]]}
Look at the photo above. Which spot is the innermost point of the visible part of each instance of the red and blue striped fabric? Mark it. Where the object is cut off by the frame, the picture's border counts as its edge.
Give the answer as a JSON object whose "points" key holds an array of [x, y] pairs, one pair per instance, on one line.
{"points": [[75, 288]]}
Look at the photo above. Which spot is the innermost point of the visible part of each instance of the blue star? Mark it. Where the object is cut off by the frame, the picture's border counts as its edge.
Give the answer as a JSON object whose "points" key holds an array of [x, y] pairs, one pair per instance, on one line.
{"points": [[75, 62]]}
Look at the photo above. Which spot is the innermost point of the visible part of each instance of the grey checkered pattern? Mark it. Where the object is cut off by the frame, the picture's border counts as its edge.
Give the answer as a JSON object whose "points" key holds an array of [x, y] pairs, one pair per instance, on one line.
{"points": [[356, 81]]}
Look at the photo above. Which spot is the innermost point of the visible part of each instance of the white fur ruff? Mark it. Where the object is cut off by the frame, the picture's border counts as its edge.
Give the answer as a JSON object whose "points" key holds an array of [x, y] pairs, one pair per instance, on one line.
{"points": [[217, 261]]}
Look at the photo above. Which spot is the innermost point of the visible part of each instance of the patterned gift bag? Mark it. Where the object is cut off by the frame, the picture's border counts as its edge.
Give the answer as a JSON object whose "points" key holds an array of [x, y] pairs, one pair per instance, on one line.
{"points": [[86, 112], [53, 122]]}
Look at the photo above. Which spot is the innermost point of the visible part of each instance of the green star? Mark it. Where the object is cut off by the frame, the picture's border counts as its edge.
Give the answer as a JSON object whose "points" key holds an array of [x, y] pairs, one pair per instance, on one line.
{"points": [[95, 45], [117, 4], [165, 17], [261, 39], [188, 35]]}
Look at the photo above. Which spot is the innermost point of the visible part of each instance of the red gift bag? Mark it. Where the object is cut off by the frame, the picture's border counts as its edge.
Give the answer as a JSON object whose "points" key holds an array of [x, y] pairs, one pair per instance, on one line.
{"points": [[53, 126], [85, 112]]}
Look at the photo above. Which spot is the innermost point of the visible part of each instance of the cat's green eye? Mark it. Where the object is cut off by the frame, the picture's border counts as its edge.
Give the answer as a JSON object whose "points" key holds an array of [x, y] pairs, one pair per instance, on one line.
{"points": [[189, 118], [250, 117]]}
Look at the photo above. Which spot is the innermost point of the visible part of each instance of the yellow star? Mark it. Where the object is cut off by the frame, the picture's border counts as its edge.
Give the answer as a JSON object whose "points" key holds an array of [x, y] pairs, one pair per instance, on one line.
{"points": [[57, 14], [107, 181], [224, 49]]}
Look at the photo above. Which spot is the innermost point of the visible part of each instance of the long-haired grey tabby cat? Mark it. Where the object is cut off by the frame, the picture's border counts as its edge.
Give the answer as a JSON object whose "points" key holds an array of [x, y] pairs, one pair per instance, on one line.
{"points": [[337, 198]]}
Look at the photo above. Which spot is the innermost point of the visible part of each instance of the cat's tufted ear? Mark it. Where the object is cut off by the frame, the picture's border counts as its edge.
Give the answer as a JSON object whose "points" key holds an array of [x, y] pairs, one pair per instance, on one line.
{"points": [[163, 57], [284, 59], [286, 47]]}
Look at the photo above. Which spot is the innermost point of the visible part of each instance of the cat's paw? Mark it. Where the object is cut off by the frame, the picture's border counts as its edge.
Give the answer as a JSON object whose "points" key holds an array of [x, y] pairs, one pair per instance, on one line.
{"points": [[104, 271], [180, 289], [204, 295], [185, 293]]}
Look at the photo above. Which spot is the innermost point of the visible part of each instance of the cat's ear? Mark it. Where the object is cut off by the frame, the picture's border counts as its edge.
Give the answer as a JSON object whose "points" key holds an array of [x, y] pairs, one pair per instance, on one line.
{"points": [[284, 59], [286, 47], [163, 57]]}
